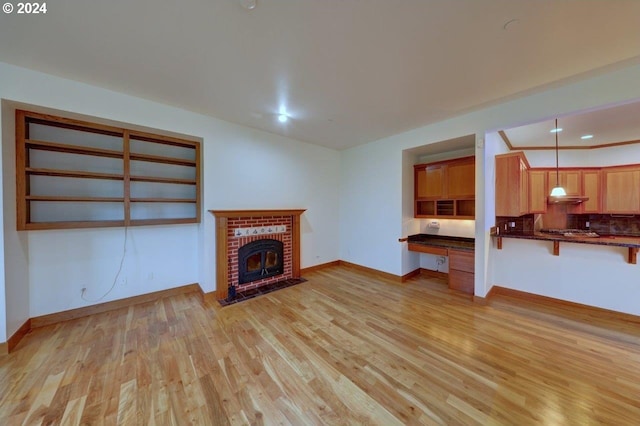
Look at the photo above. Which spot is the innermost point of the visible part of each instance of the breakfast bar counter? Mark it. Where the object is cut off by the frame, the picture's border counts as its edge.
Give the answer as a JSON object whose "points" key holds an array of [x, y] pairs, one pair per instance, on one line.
{"points": [[630, 242]]}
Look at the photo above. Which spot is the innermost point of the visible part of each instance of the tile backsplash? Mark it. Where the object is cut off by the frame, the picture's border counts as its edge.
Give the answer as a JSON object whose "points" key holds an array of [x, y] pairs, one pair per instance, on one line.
{"points": [[606, 224]]}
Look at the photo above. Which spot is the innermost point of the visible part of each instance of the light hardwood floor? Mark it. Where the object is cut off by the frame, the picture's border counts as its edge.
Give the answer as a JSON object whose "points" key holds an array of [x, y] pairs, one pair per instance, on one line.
{"points": [[343, 348]]}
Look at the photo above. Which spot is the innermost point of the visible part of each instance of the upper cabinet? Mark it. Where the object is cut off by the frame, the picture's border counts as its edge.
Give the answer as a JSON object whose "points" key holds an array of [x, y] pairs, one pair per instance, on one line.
{"points": [[538, 191], [445, 189], [621, 187], [570, 180], [512, 184], [521, 190]]}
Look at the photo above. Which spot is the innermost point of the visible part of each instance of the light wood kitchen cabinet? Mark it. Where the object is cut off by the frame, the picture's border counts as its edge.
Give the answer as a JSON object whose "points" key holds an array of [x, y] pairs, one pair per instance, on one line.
{"points": [[445, 189], [621, 190], [461, 179], [512, 184], [461, 270], [590, 189], [430, 182], [570, 180], [538, 191]]}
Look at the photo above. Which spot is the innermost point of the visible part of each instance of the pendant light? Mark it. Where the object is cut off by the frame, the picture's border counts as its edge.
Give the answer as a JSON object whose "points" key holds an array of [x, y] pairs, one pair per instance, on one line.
{"points": [[558, 191]]}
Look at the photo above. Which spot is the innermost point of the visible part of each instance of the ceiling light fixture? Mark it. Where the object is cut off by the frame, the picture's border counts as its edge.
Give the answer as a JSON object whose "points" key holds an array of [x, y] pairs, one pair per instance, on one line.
{"points": [[283, 118], [248, 4], [586, 136], [556, 130], [558, 191]]}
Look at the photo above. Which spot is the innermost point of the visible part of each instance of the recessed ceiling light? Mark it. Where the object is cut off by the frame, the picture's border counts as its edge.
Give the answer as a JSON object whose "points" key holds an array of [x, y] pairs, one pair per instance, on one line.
{"points": [[556, 130], [586, 136], [283, 118]]}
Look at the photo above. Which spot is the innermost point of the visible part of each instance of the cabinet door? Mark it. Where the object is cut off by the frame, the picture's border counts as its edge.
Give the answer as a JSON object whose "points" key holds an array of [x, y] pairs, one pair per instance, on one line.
{"points": [[511, 186], [570, 180], [538, 191], [421, 183], [591, 189], [434, 188], [621, 191], [461, 179]]}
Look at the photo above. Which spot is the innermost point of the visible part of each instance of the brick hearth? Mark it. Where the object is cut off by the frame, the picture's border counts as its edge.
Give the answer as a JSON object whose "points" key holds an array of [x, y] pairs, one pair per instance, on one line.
{"points": [[227, 244]]}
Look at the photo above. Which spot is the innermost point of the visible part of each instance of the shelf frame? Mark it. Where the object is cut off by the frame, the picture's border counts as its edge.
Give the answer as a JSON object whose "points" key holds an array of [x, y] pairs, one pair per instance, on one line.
{"points": [[24, 170]]}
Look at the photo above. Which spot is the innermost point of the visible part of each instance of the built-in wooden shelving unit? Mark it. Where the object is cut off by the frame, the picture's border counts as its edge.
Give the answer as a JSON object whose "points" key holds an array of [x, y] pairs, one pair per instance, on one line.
{"points": [[78, 174]]}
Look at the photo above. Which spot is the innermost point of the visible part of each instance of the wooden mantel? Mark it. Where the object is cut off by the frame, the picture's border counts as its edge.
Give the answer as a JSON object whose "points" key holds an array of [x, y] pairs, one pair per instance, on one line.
{"points": [[222, 216]]}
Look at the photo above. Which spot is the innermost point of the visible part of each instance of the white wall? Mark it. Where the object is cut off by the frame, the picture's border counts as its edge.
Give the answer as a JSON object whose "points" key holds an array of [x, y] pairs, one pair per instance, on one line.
{"points": [[15, 244], [242, 168], [371, 173]]}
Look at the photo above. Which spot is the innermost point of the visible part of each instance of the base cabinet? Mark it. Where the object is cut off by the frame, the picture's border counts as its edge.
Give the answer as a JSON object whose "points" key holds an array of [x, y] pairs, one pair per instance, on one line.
{"points": [[461, 270]]}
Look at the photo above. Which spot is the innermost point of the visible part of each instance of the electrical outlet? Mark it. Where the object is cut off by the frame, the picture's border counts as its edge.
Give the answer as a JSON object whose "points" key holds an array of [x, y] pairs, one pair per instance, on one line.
{"points": [[512, 224]]}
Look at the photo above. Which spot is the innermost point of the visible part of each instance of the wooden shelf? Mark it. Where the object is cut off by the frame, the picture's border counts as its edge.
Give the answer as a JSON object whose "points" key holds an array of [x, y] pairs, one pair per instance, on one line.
{"points": [[162, 180], [72, 149], [72, 174], [34, 226], [34, 130], [161, 159], [75, 199], [163, 200]]}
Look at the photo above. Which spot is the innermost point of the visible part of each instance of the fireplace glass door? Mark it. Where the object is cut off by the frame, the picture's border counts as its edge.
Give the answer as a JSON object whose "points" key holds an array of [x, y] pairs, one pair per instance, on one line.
{"points": [[260, 259]]}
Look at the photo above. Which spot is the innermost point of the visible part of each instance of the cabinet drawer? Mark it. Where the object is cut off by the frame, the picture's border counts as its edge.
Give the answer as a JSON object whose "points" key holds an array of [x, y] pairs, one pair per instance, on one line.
{"points": [[461, 260], [438, 251], [461, 281]]}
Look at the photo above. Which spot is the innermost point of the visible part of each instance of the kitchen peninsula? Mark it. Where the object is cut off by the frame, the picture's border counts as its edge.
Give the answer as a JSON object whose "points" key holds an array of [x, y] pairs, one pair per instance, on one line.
{"points": [[524, 210]]}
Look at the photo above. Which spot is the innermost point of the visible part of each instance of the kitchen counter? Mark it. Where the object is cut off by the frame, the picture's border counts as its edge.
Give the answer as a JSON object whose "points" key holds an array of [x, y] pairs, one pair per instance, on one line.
{"points": [[441, 241], [630, 242]]}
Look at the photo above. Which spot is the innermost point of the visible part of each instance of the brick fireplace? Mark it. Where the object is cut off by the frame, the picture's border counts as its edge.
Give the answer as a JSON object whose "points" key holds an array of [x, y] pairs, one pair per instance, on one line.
{"points": [[241, 228]]}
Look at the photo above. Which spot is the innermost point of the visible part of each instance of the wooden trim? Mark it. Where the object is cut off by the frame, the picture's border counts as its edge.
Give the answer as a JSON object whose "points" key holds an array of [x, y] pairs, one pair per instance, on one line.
{"points": [[4, 348], [572, 147], [256, 213], [556, 248], [519, 154], [126, 178], [295, 247], [376, 272], [531, 297], [162, 180], [18, 335], [34, 226], [446, 162], [72, 149], [222, 261], [410, 275], [74, 199], [70, 123], [167, 221], [438, 251], [319, 267], [167, 140], [198, 185], [403, 240], [54, 318], [161, 159], [164, 200], [632, 258], [506, 140], [22, 205], [434, 274], [485, 300], [72, 174]]}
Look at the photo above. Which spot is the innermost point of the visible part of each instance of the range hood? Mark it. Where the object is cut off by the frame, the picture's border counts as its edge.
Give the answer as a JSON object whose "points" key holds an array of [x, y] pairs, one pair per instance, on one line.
{"points": [[566, 199]]}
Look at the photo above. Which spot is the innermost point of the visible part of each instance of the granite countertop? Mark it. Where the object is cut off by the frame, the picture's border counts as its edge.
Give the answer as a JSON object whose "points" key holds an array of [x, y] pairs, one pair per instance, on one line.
{"points": [[603, 240], [459, 243]]}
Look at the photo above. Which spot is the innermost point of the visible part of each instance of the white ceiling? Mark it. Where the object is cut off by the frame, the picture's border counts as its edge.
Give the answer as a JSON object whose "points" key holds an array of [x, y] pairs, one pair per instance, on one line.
{"points": [[346, 71], [608, 126]]}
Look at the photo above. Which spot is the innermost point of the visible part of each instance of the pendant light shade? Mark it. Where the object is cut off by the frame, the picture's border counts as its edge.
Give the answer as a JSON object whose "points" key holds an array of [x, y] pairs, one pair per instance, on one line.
{"points": [[558, 191]]}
